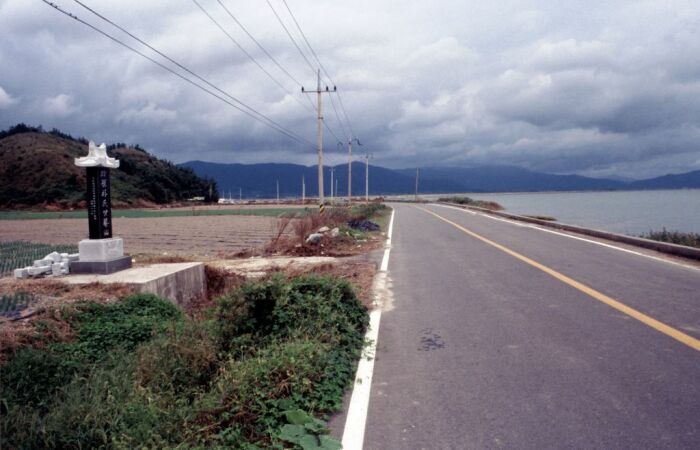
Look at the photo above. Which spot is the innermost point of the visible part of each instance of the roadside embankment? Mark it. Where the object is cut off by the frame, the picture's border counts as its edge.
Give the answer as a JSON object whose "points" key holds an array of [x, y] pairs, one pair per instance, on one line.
{"points": [[663, 247]]}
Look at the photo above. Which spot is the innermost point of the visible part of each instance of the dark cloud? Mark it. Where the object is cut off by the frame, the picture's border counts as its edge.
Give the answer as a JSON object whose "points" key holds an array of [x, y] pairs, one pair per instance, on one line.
{"points": [[592, 87]]}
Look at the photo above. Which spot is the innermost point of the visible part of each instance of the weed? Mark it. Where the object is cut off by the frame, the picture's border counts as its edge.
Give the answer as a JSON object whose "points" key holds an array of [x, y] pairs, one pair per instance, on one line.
{"points": [[674, 237], [471, 202], [276, 356]]}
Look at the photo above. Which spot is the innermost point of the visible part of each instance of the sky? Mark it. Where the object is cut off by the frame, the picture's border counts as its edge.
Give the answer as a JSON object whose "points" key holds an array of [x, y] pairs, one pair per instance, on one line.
{"points": [[597, 88]]}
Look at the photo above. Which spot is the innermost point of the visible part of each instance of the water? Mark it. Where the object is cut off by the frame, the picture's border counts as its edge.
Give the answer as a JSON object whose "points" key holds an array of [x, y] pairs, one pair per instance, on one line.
{"points": [[627, 212]]}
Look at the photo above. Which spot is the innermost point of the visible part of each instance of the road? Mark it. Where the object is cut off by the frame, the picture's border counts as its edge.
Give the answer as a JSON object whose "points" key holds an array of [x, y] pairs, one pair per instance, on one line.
{"points": [[505, 336]]}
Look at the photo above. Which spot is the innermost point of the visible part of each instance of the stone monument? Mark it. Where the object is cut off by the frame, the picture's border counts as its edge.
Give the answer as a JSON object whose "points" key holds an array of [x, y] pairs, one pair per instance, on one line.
{"points": [[102, 253]]}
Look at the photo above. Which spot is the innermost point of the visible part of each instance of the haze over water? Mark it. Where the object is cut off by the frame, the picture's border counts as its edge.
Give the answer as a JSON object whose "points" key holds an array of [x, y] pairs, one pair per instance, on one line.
{"points": [[627, 212]]}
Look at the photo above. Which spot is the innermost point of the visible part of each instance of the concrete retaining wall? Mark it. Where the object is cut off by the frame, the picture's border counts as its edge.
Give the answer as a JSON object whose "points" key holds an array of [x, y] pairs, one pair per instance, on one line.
{"points": [[664, 247], [180, 282]]}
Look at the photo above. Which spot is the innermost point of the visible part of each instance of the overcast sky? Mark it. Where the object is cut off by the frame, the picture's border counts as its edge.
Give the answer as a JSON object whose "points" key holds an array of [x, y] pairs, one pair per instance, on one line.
{"points": [[592, 87]]}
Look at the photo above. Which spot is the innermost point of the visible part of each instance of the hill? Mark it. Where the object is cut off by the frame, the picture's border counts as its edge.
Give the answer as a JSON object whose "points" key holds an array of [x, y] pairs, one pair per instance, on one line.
{"points": [[36, 167], [259, 180], [513, 179], [689, 180]]}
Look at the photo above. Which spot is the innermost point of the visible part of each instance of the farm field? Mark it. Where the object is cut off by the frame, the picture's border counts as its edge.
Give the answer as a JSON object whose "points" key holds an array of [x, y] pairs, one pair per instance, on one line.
{"points": [[202, 236], [214, 210]]}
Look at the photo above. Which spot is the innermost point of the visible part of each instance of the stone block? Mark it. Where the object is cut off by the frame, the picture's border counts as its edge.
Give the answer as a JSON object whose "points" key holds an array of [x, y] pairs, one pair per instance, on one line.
{"points": [[60, 268], [21, 273], [36, 271], [100, 249], [54, 256], [46, 262]]}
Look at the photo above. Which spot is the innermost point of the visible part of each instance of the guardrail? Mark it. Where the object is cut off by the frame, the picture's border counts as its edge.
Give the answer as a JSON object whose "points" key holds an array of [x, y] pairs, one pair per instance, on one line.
{"points": [[663, 247]]}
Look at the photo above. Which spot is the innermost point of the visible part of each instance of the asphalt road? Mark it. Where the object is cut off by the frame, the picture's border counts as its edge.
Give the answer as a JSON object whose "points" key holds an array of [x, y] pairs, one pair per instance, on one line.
{"points": [[479, 349]]}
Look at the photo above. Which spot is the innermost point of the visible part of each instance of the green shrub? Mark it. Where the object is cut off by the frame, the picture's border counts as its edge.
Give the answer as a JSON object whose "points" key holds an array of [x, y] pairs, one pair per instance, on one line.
{"points": [[183, 360], [140, 375], [674, 237], [32, 375], [126, 324]]}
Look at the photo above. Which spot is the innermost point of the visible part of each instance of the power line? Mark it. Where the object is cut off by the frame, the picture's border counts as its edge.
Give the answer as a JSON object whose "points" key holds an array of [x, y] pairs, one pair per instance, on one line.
{"points": [[303, 35], [249, 111], [264, 50], [330, 130], [335, 111], [240, 47], [279, 19], [260, 46]]}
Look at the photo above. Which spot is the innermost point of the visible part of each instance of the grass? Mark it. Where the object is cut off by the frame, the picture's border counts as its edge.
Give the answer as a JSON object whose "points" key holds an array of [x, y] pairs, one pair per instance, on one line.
{"points": [[17, 254], [674, 237], [257, 371], [538, 217], [149, 213], [471, 202]]}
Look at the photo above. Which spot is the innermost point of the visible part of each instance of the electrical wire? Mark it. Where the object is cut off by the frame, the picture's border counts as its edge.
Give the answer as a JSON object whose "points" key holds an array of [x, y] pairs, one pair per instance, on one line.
{"points": [[313, 53], [240, 47], [249, 111], [264, 50], [279, 19]]}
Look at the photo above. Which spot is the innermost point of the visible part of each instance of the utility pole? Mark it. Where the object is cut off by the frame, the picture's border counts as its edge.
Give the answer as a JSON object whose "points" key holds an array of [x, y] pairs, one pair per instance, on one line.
{"points": [[350, 167], [303, 190], [319, 133], [416, 183], [332, 172], [240, 194], [278, 192], [367, 157]]}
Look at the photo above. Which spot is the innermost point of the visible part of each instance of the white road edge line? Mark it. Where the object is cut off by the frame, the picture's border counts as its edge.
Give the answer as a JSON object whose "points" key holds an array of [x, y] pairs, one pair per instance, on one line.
{"points": [[354, 432], [602, 244]]}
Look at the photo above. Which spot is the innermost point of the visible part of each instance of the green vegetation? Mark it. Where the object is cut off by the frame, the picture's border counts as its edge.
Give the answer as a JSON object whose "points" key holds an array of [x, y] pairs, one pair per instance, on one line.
{"points": [[16, 254], [36, 167], [147, 213], [12, 304], [471, 202], [547, 218], [258, 371], [674, 237]]}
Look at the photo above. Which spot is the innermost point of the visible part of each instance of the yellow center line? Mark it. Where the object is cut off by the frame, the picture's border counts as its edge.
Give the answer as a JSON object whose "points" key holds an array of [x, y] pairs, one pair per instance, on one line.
{"points": [[649, 321]]}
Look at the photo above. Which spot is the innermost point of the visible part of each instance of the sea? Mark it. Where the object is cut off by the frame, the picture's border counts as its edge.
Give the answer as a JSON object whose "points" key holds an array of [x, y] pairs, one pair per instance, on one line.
{"points": [[627, 212]]}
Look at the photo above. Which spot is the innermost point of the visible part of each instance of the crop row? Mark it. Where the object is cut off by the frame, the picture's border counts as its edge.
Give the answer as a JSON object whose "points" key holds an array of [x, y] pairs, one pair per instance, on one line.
{"points": [[12, 304], [16, 254]]}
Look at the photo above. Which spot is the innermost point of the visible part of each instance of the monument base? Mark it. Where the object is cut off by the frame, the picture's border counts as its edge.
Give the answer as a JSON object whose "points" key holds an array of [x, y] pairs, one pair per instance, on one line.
{"points": [[101, 256], [101, 267], [101, 249]]}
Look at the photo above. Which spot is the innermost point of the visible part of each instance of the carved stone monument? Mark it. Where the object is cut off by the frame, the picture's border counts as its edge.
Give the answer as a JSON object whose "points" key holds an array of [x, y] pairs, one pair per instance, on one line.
{"points": [[102, 252]]}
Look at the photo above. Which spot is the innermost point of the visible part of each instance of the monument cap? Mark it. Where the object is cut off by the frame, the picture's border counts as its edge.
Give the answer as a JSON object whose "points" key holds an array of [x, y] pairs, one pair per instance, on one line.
{"points": [[97, 157]]}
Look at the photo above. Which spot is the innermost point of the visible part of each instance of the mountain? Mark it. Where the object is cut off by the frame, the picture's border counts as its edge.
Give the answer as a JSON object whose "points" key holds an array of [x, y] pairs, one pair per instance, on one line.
{"points": [[689, 180], [511, 179], [36, 167], [259, 180]]}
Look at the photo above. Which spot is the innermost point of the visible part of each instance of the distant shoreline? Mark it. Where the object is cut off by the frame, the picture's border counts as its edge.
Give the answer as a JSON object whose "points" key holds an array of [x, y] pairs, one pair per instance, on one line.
{"points": [[474, 194]]}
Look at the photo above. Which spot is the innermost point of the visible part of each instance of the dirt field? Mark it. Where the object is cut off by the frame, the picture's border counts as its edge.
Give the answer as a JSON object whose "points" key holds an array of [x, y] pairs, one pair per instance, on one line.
{"points": [[208, 236]]}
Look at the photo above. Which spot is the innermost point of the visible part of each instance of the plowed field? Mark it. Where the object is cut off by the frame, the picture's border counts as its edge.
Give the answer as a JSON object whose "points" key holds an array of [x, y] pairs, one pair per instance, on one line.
{"points": [[199, 235]]}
